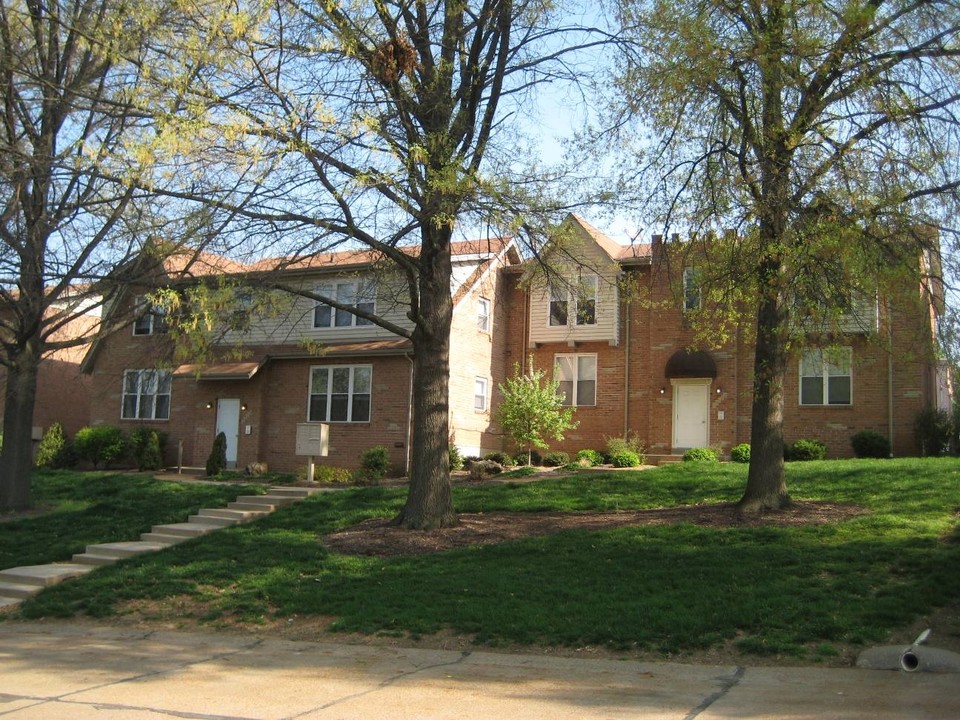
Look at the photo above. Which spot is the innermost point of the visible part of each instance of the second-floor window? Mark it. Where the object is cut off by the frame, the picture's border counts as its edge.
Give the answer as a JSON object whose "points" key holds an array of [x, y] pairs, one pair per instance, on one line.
{"points": [[150, 319], [146, 395], [340, 393], [577, 375], [483, 315], [826, 377], [361, 295], [582, 298], [692, 299], [480, 394]]}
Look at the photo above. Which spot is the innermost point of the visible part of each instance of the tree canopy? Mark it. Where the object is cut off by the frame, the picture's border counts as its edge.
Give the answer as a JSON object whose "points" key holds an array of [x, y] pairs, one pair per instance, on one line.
{"points": [[823, 132], [332, 124], [71, 236]]}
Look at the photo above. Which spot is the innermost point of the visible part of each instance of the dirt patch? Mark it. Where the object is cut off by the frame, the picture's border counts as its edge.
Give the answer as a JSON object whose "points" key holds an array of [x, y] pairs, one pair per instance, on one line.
{"points": [[381, 539]]}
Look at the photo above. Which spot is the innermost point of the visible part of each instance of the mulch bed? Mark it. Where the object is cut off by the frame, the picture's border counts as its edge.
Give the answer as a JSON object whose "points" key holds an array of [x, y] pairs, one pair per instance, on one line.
{"points": [[380, 538]]}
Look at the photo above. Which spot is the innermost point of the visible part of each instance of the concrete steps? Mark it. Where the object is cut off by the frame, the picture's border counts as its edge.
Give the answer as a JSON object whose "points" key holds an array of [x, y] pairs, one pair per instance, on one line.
{"points": [[20, 583], [17, 584]]}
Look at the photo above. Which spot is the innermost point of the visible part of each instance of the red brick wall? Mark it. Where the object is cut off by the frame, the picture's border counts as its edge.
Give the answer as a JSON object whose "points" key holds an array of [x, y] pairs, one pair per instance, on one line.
{"points": [[653, 328]]}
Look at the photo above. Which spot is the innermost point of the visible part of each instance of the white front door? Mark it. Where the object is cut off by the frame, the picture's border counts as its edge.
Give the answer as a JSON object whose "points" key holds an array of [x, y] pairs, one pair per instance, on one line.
{"points": [[228, 423], [691, 414]]}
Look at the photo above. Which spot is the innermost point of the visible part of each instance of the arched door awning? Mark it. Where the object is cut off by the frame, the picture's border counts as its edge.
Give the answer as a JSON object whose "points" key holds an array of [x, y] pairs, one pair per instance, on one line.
{"points": [[687, 364]]}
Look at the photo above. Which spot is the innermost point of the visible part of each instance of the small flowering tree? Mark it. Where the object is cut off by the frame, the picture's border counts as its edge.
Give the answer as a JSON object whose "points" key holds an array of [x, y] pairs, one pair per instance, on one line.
{"points": [[532, 409]]}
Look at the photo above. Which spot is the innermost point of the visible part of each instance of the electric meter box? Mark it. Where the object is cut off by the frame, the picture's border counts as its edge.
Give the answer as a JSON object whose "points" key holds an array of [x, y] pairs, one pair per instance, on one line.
{"points": [[313, 439]]}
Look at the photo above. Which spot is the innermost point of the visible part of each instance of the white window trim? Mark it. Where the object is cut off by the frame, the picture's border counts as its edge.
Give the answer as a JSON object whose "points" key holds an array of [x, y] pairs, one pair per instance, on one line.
{"points": [[576, 380], [350, 393], [145, 310], [477, 382], [139, 394], [825, 396], [330, 288], [572, 298], [483, 315]]}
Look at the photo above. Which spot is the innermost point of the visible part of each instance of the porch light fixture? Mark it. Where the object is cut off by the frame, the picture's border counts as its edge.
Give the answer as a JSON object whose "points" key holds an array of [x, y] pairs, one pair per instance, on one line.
{"points": [[209, 406], [243, 407], [663, 391], [719, 390]]}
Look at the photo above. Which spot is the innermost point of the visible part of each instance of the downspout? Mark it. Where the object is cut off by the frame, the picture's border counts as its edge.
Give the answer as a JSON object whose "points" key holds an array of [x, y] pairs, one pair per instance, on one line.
{"points": [[890, 375], [409, 419], [626, 372], [525, 337]]}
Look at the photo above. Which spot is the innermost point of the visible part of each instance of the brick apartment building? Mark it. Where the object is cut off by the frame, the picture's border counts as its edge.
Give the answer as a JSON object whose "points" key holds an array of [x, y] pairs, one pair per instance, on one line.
{"points": [[630, 367]]}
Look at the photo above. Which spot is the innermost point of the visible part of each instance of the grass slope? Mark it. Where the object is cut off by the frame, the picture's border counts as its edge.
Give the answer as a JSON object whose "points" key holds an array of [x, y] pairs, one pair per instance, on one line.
{"points": [[794, 590]]}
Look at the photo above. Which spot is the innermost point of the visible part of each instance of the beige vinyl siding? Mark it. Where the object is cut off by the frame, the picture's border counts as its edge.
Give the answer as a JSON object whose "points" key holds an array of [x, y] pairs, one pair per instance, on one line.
{"points": [[606, 327], [293, 321]]}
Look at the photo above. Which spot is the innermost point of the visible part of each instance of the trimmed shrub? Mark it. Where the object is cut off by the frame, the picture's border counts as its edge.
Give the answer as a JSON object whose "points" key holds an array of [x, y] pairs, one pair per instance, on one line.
{"points": [[148, 446], [217, 460], [375, 463], [100, 445], [520, 459], [740, 453], [54, 450], [456, 459], [504, 460], [556, 459], [590, 457], [803, 450], [326, 474], [632, 444], [870, 444], [701, 455], [625, 459], [932, 429]]}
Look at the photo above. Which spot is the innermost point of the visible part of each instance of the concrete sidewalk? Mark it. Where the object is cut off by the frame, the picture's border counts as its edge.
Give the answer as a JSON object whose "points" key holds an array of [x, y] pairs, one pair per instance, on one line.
{"points": [[59, 671]]}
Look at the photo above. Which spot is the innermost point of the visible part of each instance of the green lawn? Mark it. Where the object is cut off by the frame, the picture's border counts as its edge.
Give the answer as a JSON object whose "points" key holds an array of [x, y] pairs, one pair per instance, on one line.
{"points": [[787, 590], [83, 508]]}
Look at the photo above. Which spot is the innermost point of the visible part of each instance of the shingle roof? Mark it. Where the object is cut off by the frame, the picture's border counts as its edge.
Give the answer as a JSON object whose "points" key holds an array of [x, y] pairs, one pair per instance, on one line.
{"points": [[616, 251]]}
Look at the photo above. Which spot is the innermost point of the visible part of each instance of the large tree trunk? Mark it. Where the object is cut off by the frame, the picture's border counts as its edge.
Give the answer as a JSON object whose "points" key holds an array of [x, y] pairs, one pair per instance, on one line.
{"points": [[16, 458], [430, 499], [766, 485]]}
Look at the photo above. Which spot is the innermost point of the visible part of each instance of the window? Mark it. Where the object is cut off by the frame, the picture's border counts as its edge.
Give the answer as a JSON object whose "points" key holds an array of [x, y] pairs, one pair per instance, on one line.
{"points": [[691, 290], [826, 377], [146, 395], [577, 375], [340, 393], [558, 306], [151, 319], [483, 315], [480, 394], [587, 301], [361, 295], [583, 297]]}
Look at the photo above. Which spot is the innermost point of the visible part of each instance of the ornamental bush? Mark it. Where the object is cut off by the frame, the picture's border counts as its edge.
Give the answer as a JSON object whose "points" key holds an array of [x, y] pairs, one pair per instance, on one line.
{"points": [[625, 459], [54, 450], [933, 430], [501, 458], [701, 455], [870, 444], [556, 459], [375, 463], [456, 459], [217, 460], [807, 450], [148, 447], [632, 444], [740, 453], [100, 445], [590, 457]]}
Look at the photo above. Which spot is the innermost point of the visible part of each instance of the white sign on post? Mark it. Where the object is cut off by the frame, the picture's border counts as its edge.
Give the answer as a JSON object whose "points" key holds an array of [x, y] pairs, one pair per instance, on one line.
{"points": [[313, 440]]}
